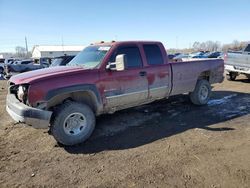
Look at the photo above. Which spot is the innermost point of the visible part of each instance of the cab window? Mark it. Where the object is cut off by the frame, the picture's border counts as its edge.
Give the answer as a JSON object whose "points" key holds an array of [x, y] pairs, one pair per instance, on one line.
{"points": [[133, 56], [153, 54]]}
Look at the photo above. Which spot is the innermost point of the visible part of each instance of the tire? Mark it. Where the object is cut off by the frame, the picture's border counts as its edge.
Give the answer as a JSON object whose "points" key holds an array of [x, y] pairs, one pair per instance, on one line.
{"points": [[248, 76], [231, 76], [201, 94], [73, 123]]}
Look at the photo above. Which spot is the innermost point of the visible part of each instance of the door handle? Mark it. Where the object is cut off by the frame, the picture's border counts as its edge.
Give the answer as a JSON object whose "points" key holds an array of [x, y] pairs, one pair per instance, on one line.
{"points": [[143, 73]]}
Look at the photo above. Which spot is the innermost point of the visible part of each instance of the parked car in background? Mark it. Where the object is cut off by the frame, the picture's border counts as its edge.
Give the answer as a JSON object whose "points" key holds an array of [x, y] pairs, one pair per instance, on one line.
{"points": [[196, 54], [182, 57], [23, 66], [200, 56], [171, 56], [2, 60], [8, 61], [237, 63], [207, 55], [30, 65], [61, 61], [214, 54], [177, 54], [24, 62], [2, 65], [105, 78]]}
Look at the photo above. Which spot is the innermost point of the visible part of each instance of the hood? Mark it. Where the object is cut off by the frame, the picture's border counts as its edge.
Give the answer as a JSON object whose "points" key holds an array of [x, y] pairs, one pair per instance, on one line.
{"points": [[37, 75]]}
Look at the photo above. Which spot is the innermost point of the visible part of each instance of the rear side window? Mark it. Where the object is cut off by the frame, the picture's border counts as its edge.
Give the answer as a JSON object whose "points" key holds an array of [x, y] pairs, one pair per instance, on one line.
{"points": [[153, 54], [133, 56], [26, 62]]}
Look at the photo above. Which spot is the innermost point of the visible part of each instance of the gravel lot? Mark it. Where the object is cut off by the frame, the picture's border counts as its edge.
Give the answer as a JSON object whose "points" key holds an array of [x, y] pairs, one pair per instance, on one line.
{"points": [[169, 143]]}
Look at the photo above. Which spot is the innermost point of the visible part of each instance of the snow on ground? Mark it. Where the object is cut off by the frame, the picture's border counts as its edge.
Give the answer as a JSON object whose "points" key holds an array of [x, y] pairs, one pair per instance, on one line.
{"points": [[221, 101]]}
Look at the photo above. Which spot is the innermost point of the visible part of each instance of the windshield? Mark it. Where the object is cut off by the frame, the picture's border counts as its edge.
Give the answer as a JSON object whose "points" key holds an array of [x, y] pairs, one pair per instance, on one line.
{"points": [[56, 62], [90, 57]]}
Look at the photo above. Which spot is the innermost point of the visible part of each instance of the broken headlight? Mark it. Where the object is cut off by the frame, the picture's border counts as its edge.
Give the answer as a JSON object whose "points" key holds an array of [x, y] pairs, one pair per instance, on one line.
{"points": [[22, 93]]}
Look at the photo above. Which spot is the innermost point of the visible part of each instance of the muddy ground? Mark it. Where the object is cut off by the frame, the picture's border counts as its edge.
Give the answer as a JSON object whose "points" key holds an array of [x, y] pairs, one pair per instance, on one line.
{"points": [[170, 143]]}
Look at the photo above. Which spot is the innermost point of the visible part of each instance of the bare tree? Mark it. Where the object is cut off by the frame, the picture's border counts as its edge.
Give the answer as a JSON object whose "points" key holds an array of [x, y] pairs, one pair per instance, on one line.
{"points": [[235, 44], [217, 46], [207, 46], [203, 46], [20, 51], [196, 46]]}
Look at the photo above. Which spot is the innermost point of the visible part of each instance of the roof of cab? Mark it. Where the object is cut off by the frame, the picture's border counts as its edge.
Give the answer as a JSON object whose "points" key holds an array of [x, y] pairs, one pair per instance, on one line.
{"points": [[123, 42]]}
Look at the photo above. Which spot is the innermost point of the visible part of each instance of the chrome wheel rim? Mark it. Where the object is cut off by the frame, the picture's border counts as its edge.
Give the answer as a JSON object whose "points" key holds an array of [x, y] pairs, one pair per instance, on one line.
{"points": [[74, 124], [204, 93]]}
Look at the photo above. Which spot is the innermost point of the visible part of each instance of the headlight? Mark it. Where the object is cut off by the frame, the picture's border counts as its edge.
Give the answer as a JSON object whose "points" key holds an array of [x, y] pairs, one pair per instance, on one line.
{"points": [[22, 93]]}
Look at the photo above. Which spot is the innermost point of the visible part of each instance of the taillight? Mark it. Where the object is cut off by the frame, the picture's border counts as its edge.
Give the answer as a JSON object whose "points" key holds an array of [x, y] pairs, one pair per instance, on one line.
{"points": [[221, 68], [225, 56]]}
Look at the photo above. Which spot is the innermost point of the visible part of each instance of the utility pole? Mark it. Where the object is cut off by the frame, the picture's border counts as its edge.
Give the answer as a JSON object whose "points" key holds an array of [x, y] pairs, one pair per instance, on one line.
{"points": [[63, 46], [26, 44], [176, 43]]}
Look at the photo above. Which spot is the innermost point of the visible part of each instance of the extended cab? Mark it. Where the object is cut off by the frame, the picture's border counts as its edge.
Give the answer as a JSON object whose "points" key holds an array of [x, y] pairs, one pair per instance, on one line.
{"points": [[237, 63], [104, 78]]}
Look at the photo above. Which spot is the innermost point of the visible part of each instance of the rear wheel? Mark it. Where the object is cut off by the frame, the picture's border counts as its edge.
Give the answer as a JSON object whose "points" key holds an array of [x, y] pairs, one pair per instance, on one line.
{"points": [[73, 123], [201, 93], [231, 76]]}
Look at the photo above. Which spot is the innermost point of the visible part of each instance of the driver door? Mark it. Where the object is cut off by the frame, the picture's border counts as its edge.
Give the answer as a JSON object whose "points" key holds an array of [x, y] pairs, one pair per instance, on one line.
{"points": [[129, 87]]}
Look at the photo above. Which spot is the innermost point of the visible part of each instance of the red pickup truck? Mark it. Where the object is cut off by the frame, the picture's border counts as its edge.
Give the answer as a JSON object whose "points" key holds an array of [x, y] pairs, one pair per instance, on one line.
{"points": [[104, 78]]}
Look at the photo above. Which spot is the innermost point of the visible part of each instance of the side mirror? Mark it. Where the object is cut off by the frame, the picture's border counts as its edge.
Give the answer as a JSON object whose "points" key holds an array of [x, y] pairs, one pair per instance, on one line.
{"points": [[118, 65]]}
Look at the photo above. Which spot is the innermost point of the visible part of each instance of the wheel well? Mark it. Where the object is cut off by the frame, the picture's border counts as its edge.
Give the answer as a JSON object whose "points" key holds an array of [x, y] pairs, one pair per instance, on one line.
{"points": [[204, 75], [86, 97]]}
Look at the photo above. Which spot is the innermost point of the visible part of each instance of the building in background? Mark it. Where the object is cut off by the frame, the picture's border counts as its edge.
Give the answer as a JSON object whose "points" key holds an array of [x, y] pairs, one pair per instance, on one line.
{"points": [[54, 51]]}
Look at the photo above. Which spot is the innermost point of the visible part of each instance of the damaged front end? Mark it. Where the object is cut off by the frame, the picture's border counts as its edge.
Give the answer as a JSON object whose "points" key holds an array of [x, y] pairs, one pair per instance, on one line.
{"points": [[18, 108]]}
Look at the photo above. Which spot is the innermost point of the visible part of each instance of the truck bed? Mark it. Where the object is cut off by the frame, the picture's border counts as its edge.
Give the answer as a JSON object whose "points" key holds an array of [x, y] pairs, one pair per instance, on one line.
{"points": [[185, 74], [238, 59]]}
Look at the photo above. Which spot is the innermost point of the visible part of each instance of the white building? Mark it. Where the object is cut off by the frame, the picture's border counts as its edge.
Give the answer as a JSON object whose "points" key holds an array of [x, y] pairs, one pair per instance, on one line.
{"points": [[54, 51]]}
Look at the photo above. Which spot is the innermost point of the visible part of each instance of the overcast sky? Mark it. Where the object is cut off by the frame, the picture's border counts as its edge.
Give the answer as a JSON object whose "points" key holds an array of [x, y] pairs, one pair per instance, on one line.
{"points": [[177, 23]]}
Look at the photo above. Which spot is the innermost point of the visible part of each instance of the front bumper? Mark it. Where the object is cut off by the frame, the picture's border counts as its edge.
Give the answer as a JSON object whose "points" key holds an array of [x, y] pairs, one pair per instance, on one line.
{"points": [[20, 112]]}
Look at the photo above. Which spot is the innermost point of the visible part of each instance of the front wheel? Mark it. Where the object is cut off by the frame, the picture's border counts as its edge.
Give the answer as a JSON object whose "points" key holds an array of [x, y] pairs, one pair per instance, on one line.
{"points": [[73, 123], [231, 76], [201, 93], [248, 76]]}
